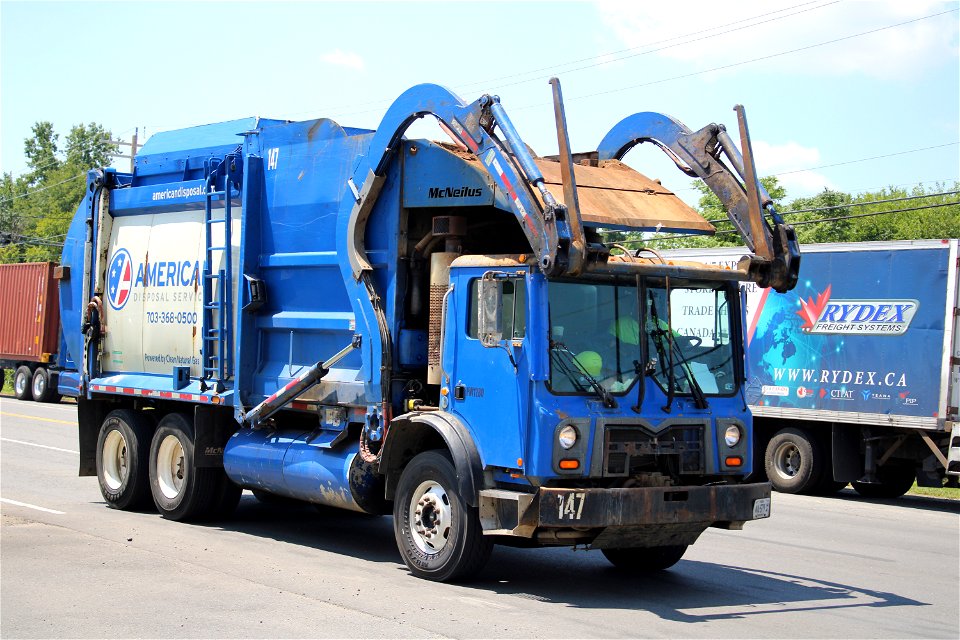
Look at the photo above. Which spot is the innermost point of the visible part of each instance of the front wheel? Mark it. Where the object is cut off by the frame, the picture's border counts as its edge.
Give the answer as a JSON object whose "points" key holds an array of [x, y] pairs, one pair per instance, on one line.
{"points": [[438, 533], [645, 559]]}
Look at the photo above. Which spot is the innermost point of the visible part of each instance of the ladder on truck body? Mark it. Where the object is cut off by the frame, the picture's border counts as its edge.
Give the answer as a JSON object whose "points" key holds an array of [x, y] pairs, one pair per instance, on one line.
{"points": [[217, 340]]}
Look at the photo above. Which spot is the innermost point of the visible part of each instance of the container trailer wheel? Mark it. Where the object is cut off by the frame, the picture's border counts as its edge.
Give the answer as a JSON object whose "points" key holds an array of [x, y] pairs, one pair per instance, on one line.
{"points": [[22, 387], [122, 449], [42, 389], [181, 490], [645, 559], [893, 480], [438, 533], [793, 461]]}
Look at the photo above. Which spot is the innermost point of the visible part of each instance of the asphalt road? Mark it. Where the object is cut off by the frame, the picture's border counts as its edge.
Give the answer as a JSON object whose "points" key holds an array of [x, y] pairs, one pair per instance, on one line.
{"points": [[71, 567]]}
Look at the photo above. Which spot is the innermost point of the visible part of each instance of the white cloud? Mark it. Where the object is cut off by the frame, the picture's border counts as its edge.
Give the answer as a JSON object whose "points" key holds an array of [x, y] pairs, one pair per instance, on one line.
{"points": [[784, 161], [346, 59], [710, 33]]}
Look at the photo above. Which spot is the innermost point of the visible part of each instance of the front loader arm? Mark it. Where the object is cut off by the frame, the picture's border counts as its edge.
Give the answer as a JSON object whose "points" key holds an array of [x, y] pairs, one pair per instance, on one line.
{"points": [[508, 162], [776, 260], [510, 166]]}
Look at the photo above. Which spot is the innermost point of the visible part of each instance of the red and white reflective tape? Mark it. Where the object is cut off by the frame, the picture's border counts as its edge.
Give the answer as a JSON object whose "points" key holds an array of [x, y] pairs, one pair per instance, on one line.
{"points": [[492, 160], [154, 393], [464, 135]]}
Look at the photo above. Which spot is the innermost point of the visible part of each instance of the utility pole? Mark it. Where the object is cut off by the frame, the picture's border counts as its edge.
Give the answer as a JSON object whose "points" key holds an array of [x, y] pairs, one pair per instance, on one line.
{"points": [[134, 147]]}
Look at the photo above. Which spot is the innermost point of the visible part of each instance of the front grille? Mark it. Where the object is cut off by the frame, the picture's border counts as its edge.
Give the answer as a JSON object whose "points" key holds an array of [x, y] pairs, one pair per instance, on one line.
{"points": [[631, 450]]}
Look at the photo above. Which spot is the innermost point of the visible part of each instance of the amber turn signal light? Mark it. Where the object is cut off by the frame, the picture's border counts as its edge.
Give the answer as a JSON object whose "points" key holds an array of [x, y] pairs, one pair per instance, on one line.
{"points": [[733, 461], [569, 464]]}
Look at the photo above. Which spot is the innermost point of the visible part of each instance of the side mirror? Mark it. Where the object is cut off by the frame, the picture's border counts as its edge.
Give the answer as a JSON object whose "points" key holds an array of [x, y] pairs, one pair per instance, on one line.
{"points": [[490, 312]]}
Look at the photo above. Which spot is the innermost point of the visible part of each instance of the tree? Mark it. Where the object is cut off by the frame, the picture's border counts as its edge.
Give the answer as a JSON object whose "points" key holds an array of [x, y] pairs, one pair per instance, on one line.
{"points": [[37, 207]]}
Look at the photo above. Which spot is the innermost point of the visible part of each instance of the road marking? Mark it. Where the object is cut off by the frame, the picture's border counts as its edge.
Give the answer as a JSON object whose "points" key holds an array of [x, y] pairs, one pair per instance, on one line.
{"points": [[32, 506], [42, 446], [23, 415]]}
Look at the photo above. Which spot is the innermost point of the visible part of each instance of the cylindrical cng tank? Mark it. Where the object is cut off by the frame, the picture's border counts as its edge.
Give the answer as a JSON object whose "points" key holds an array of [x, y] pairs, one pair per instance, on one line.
{"points": [[305, 467]]}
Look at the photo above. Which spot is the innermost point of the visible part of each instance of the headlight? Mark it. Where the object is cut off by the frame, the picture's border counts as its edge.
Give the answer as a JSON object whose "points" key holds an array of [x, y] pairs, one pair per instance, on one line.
{"points": [[567, 436], [732, 436]]}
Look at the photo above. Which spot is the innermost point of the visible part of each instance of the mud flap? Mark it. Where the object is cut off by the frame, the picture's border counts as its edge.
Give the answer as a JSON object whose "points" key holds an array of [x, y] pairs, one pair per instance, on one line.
{"points": [[213, 426]]}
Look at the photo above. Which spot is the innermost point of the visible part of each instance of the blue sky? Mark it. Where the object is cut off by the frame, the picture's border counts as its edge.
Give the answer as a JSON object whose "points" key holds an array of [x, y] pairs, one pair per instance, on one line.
{"points": [[830, 87]]}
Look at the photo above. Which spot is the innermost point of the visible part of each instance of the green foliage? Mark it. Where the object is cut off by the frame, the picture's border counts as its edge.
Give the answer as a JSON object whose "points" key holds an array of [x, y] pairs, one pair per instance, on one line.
{"points": [[37, 207]]}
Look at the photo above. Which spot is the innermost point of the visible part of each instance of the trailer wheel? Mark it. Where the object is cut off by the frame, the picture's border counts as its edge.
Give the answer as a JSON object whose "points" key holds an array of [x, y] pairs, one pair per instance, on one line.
{"points": [[793, 461], [181, 490], [23, 383], [42, 389], [438, 533], [122, 449], [894, 480], [645, 559]]}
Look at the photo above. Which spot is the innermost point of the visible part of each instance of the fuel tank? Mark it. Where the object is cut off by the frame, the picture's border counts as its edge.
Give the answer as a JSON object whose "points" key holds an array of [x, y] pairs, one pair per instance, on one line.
{"points": [[309, 466]]}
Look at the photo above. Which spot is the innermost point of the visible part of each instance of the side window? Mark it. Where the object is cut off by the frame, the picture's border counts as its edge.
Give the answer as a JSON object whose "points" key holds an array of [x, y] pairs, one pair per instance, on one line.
{"points": [[514, 316]]}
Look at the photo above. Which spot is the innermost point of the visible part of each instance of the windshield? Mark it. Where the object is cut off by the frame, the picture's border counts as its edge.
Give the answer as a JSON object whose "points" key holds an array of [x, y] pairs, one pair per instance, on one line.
{"points": [[595, 335]]}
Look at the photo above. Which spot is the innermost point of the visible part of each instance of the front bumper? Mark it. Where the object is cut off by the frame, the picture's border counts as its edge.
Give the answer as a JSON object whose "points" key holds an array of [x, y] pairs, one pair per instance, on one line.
{"points": [[622, 512]]}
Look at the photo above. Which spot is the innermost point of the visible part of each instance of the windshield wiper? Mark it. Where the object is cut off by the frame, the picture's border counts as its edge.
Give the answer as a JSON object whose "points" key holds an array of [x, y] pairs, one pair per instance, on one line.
{"points": [[695, 389], [658, 334], [604, 395]]}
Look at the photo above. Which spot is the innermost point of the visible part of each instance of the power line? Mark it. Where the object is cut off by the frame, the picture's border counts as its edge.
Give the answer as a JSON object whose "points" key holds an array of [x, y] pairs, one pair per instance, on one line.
{"points": [[743, 62], [804, 222], [35, 191], [663, 48], [348, 110], [846, 162], [848, 205]]}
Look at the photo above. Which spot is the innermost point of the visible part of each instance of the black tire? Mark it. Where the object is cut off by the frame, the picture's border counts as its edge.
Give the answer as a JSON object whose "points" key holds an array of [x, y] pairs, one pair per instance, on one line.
{"points": [[645, 559], [228, 497], [23, 383], [43, 389], [181, 491], [894, 481], [793, 461], [123, 447], [438, 533]]}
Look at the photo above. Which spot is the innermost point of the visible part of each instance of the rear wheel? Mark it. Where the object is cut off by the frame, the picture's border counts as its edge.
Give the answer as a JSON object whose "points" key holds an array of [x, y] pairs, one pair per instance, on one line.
{"points": [[181, 490], [23, 383], [123, 447], [43, 391], [893, 480], [438, 533], [793, 461], [645, 559]]}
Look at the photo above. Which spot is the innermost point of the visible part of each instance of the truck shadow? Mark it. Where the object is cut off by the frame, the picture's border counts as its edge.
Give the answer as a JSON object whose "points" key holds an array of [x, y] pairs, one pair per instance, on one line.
{"points": [[692, 591], [329, 529], [923, 503]]}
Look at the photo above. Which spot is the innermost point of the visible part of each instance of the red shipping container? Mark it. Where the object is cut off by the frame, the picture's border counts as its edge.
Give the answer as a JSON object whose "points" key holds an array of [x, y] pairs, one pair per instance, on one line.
{"points": [[29, 312]]}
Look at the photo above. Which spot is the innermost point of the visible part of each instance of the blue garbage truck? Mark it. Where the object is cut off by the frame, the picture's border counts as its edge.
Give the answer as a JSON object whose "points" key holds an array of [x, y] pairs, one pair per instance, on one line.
{"points": [[352, 318]]}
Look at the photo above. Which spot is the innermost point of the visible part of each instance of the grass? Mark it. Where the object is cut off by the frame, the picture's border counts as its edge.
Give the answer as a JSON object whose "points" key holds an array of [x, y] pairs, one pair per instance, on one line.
{"points": [[950, 493]]}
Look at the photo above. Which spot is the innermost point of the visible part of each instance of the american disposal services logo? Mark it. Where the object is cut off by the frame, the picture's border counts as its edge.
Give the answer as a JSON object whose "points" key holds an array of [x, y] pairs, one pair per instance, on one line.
{"points": [[120, 279], [869, 317]]}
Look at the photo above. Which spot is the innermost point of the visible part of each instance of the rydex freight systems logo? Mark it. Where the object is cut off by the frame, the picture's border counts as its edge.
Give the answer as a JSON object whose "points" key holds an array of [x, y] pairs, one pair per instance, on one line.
{"points": [[862, 317]]}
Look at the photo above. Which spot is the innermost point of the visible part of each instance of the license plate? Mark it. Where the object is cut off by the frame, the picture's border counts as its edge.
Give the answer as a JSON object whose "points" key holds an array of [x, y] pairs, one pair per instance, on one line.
{"points": [[761, 508]]}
